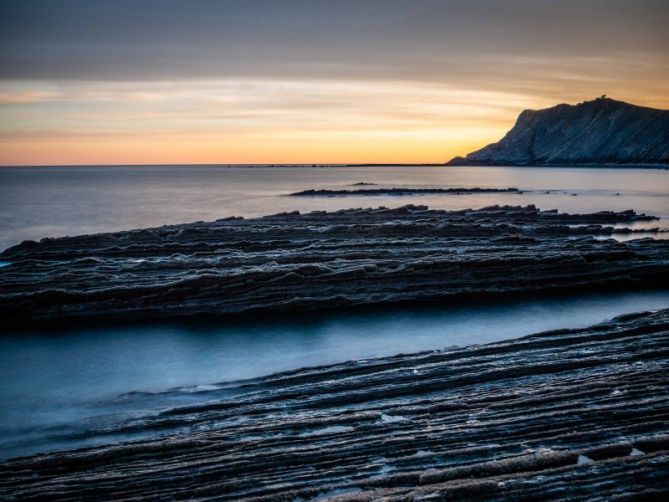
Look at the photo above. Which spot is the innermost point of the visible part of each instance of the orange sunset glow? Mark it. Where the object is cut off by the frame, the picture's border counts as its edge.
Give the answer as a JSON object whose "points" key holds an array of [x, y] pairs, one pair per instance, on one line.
{"points": [[289, 88]]}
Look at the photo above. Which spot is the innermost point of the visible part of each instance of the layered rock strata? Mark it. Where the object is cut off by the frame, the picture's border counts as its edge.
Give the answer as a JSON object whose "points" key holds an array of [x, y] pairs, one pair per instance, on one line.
{"points": [[569, 414], [300, 262]]}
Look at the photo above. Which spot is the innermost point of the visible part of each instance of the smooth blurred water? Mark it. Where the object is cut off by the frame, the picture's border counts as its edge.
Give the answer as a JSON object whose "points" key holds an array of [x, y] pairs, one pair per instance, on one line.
{"points": [[37, 202], [58, 387]]}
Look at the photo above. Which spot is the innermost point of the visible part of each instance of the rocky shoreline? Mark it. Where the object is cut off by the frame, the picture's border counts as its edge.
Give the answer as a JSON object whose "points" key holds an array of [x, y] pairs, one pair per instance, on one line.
{"points": [[577, 414], [294, 262]]}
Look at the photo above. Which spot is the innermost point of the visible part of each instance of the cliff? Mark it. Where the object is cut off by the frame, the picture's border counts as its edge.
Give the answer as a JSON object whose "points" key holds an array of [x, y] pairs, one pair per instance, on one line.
{"points": [[599, 132]]}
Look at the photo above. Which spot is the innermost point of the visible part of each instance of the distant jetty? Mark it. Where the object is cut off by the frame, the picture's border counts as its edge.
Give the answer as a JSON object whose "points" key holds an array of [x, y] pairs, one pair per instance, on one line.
{"points": [[401, 191], [601, 132]]}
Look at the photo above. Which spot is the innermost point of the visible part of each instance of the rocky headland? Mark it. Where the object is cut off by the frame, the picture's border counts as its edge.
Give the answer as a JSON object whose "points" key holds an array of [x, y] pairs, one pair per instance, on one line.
{"points": [[600, 132], [569, 414], [294, 262]]}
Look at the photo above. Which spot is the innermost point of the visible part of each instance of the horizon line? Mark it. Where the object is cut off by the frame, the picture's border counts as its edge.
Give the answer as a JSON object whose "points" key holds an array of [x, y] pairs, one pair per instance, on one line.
{"points": [[239, 164]]}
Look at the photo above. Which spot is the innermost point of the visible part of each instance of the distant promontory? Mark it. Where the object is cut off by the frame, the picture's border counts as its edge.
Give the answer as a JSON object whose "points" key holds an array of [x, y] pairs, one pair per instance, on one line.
{"points": [[600, 132]]}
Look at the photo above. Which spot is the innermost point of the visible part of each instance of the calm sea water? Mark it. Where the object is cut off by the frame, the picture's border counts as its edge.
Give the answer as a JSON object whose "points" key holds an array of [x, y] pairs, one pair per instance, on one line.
{"points": [[60, 387], [38, 202]]}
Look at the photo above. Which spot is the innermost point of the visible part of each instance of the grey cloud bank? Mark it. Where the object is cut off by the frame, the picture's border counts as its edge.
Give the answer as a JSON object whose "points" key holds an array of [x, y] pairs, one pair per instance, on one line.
{"points": [[419, 40]]}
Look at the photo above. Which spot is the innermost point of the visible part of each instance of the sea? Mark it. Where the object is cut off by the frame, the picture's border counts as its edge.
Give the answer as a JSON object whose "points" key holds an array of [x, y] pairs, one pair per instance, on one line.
{"points": [[61, 388]]}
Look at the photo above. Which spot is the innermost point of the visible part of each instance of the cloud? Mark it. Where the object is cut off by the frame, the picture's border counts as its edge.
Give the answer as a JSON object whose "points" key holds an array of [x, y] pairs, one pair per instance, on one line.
{"points": [[257, 104], [436, 40], [15, 97], [419, 79]]}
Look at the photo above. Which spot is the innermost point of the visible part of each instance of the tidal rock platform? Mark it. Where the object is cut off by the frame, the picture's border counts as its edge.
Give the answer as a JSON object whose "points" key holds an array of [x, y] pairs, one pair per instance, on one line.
{"points": [[294, 262], [570, 414]]}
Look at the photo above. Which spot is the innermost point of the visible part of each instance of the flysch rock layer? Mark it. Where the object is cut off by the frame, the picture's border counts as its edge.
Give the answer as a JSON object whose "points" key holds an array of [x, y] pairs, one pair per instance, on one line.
{"points": [[569, 414], [299, 262]]}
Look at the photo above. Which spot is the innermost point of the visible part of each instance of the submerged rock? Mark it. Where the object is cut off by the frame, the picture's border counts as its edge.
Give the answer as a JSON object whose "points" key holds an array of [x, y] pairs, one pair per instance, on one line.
{"points": [[294, 262], [533, 417]]}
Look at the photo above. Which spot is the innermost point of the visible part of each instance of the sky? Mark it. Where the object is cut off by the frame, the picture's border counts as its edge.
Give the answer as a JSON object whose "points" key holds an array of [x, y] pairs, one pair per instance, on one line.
{"points": [[308, 81]]}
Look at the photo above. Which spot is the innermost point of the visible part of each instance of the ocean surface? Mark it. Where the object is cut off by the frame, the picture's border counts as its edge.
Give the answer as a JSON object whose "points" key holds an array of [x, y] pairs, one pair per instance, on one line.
{"points": [[37, 202], [62, 388]]}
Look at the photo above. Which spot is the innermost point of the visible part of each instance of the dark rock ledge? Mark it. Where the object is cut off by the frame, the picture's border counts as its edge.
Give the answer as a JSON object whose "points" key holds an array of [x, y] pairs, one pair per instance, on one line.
{"points": [[401, 191], [299, 262], [570, 414]]}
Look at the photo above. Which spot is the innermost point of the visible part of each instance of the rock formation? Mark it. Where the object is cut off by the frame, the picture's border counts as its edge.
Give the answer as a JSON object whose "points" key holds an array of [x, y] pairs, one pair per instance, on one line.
{"points": [[598, 132], [298, 262], [570, 414]]}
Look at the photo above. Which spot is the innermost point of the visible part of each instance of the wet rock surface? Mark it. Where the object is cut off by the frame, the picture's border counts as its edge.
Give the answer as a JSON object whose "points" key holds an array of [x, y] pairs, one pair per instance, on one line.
{"points": [[295, 262], [573, 414]]}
